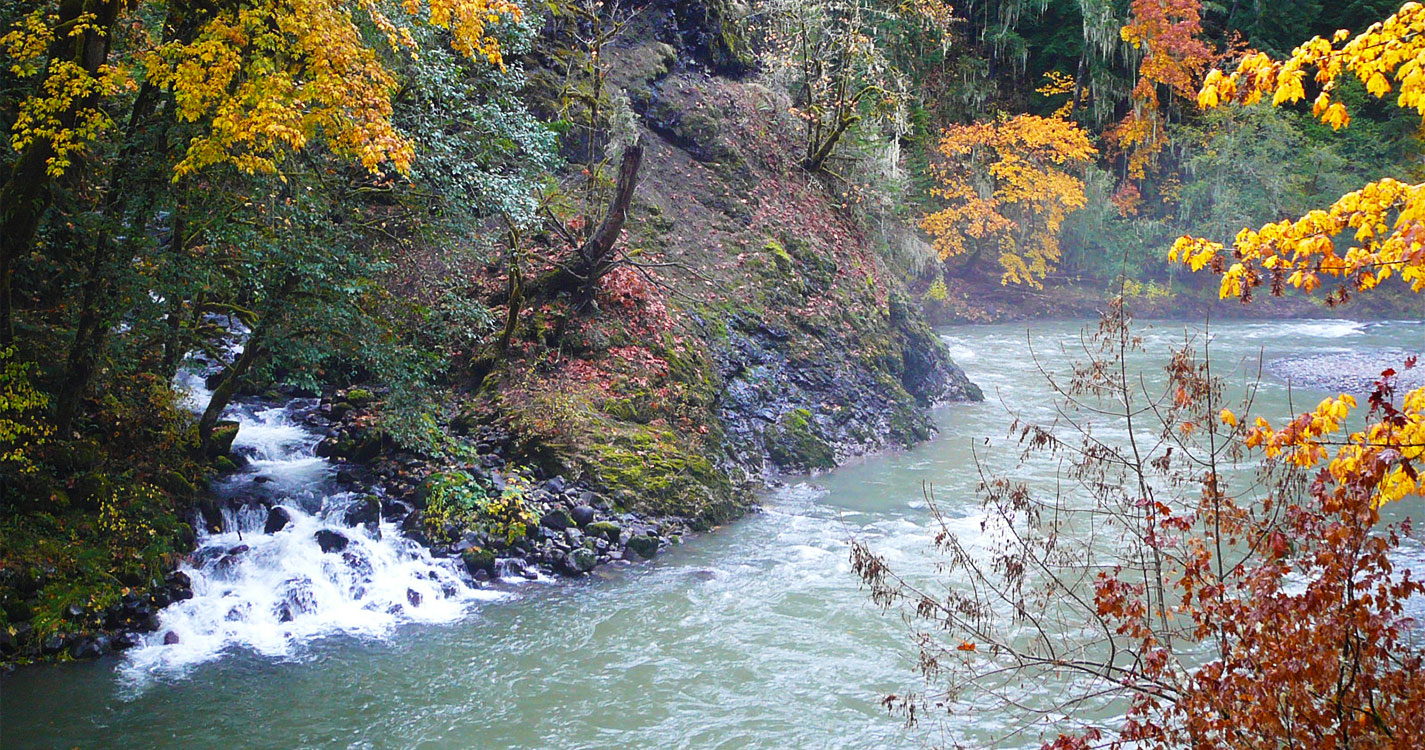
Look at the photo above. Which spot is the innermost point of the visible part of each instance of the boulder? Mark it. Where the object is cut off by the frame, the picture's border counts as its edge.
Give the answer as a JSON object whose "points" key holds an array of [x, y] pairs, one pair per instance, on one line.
{"points": [[277, 520], [170, 638], [364, 512], [646, 546], [578, 561], [478, 560], [52, 645], [220, 442], [88, 647], [583, 515], [557, 519], [331, 541], [604, 530]]}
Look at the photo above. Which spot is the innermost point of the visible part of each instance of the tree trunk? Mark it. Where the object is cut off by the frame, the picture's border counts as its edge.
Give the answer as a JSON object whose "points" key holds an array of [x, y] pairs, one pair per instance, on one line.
{"points": [[101, 275], [818, 158], [594, 258], [253, 350], [27, 194]]}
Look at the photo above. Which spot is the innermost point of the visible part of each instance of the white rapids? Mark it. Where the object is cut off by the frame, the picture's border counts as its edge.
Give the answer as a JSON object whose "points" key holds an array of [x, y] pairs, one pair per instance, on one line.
{"points": [[270, 593]]}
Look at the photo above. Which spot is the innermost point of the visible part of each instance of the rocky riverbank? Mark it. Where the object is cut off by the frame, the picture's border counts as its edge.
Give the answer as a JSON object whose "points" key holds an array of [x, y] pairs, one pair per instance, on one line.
{"points": [[1355, 372]]}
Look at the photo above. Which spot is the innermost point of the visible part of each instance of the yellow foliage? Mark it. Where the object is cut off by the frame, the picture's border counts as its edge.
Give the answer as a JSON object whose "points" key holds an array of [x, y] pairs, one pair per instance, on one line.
{"points": [[1381, 227], [262, 79], [1009, 185], [22, 425]]}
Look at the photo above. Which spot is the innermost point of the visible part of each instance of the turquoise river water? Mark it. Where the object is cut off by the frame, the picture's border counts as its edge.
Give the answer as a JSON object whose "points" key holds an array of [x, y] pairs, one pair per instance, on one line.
{"points": [[753, 636]]}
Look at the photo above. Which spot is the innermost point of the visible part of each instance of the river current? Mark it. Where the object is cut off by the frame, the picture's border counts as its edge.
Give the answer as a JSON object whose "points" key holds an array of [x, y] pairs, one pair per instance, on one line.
{"points": [[753, 636]]}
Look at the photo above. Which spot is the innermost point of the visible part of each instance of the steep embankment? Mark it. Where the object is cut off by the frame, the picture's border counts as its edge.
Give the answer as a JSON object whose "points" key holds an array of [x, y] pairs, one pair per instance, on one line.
{"points": [[753, 326]]}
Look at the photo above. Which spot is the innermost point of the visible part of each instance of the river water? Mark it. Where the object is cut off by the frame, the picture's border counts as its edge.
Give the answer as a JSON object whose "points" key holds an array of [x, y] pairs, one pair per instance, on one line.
{"points": [[755, 636]]}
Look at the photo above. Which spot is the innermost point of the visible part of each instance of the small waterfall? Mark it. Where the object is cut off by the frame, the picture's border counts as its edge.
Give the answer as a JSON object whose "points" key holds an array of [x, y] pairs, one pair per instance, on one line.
{"points": [[327, 570]]}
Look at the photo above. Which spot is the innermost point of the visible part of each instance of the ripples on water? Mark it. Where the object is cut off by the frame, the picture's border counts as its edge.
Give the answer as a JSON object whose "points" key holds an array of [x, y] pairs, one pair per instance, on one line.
{"points": [[755, 636]]}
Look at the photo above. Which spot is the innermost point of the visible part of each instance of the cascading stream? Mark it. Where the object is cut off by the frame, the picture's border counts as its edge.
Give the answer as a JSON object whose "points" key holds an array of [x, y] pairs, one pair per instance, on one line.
{"points": [[292, 561]]}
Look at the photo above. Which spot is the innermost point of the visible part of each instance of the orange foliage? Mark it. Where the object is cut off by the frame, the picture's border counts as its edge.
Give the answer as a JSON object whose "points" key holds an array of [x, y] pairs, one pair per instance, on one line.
{"points": [[1167, 31]]}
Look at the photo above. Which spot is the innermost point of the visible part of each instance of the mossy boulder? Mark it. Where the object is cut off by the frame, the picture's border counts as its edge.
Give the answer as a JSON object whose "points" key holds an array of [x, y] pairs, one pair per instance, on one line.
{"points": [[643, 545], [580, 560], [221, 441], [477, 559], [663, 476], [605, 530], [176, 484], [795, 443]]}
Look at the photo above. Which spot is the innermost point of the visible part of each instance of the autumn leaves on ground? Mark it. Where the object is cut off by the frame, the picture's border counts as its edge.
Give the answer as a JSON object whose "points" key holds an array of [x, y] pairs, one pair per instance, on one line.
{"points": [[665, 249]]}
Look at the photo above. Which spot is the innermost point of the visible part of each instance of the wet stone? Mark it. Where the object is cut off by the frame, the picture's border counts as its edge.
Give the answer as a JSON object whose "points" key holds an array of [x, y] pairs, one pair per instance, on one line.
{"points": [[277, 520], [331, 541]]}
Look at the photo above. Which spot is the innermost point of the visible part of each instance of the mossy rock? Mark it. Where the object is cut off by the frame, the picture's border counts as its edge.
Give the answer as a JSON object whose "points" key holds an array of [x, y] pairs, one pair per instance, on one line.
{"points": [[663, 476], [604, 529], [710, 28], [176, 484], [780, 256], [221, 441], [369, 447], [359, 397], [477, 559], [795, 443], [224, 465], [645, 546]]}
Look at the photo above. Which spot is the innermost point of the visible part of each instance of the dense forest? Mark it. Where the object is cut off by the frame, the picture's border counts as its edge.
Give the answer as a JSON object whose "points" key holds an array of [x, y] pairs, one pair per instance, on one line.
{"points": [[612, 265]]}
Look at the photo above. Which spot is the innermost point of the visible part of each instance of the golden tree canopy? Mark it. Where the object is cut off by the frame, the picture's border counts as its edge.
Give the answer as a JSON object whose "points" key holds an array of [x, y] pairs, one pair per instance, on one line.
{"points": [[261, 79], [1008, 185], [1363, 238]]}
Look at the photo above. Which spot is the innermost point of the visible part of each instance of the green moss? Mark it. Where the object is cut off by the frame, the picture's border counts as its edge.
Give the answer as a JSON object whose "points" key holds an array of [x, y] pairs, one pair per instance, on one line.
{"points": [[780, 256], [663, 476], [359, 396], [221, 441], [604, 529], [795, 443]]}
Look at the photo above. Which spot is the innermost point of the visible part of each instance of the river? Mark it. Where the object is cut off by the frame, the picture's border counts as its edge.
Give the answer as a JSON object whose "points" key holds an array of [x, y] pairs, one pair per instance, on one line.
{"points": [[754, 636]]}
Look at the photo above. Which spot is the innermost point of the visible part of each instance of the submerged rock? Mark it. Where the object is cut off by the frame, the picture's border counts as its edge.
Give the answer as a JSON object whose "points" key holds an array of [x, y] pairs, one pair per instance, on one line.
{"points": [[646, 546]]}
